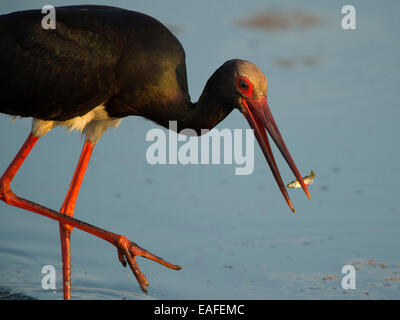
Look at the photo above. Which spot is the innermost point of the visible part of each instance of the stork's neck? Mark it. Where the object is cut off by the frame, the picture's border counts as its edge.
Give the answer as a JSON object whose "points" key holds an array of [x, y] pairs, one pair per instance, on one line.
{"points": [[173, 103], [210, 109]]}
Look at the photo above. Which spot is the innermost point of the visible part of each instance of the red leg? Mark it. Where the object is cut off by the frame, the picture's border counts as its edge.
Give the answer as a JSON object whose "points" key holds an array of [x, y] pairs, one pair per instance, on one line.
{"points": [[14, 166], [127, 250], [68, 209]]}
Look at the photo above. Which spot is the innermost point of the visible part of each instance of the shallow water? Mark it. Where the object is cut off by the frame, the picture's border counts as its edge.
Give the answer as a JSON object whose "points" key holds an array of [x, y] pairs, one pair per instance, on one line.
{"points": [[334, 95]]}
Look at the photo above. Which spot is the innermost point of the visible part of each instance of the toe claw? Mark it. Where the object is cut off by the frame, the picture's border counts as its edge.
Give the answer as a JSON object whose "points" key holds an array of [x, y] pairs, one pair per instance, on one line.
{"points": [[141, 279], [121, 258]]}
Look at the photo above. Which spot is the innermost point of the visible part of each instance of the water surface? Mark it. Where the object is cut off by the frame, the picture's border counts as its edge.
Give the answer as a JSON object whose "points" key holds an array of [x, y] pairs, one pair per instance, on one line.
{"points": [[334, 95]]}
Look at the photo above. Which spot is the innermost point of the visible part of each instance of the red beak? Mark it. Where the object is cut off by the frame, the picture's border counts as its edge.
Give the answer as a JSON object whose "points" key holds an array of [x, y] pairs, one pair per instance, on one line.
{"points": [[259, 116]]}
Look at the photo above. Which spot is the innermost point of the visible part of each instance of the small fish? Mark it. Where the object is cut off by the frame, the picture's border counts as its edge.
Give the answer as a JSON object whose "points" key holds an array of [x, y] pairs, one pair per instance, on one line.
{"points": [[307, 180]]}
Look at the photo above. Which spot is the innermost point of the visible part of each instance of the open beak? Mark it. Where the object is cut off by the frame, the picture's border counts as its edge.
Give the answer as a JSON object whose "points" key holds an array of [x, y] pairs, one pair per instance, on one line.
{"points": [[259, 116]]}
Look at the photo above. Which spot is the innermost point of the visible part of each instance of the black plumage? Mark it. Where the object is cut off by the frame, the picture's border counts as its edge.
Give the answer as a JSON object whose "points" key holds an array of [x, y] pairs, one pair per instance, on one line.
{"points": [[96, 55]]}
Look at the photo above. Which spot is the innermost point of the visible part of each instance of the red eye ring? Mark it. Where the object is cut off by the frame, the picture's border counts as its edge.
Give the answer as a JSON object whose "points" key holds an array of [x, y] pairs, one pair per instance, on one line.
{"points": [[245, 86]]}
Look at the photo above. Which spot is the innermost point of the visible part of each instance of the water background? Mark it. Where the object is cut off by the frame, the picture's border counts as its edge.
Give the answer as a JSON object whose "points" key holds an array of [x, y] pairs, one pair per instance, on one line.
{"points": [[335, 96]]}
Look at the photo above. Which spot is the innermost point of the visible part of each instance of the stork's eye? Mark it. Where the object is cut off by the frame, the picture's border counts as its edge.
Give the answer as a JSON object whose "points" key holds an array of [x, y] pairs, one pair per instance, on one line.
{"points": [[245, 86]]}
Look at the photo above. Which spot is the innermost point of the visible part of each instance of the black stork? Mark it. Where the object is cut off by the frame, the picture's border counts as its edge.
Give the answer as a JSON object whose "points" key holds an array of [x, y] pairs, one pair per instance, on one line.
{"points": [[102, 64]]}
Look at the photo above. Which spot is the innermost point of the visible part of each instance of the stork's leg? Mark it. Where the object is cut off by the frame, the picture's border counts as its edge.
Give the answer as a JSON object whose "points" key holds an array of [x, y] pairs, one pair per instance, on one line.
{"points": [[127, 250], [68, 209]]}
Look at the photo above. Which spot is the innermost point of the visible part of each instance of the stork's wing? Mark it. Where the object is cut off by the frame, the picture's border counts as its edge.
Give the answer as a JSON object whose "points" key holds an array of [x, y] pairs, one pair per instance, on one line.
{"points": [[55, 74]]}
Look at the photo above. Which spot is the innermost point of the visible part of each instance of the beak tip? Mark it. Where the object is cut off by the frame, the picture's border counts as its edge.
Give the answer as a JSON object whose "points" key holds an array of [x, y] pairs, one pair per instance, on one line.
{"points": [[289, 202], [305, 189]]}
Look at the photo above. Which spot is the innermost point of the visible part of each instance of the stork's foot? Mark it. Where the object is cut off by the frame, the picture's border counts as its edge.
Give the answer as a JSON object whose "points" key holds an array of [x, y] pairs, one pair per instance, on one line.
{"points": [[127, 252]]}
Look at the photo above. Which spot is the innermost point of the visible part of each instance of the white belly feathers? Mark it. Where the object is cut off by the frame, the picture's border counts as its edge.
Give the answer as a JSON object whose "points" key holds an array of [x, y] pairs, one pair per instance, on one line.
{"points": [[93, 124]]}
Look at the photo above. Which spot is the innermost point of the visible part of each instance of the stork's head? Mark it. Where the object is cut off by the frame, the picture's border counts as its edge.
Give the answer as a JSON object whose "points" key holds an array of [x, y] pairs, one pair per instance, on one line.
{"points": [[248, 86]]}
